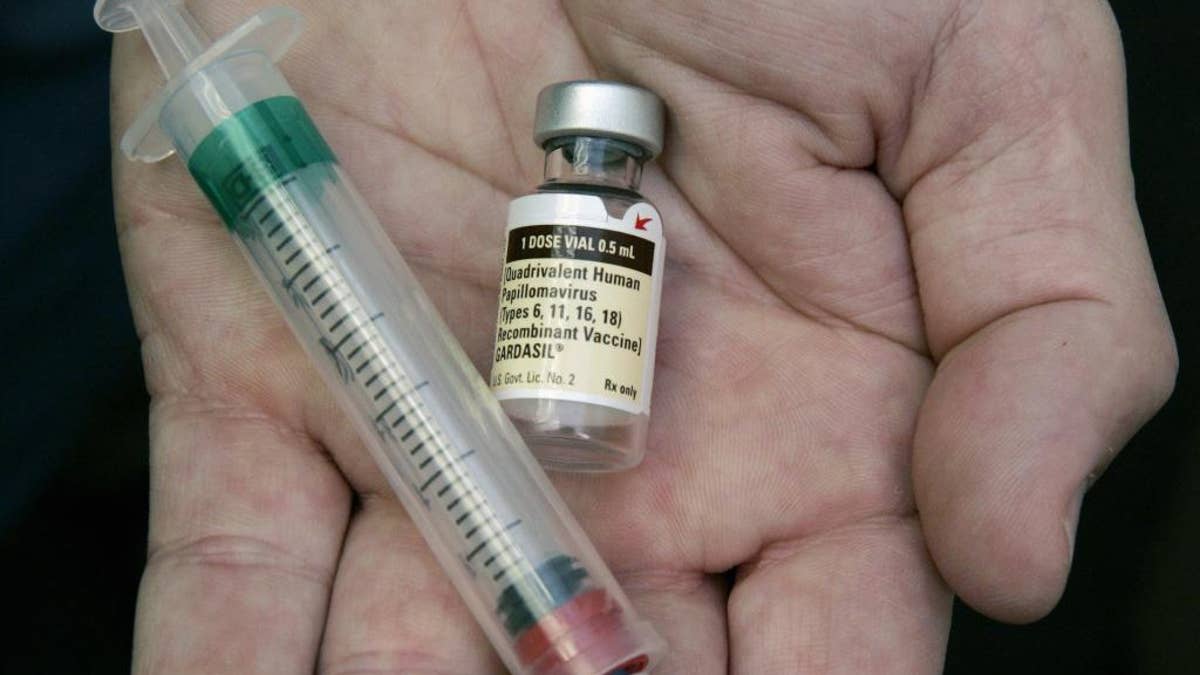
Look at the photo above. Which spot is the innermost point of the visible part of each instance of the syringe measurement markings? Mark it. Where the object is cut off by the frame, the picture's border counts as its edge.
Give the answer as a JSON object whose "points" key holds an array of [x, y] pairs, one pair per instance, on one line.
{"points": [[357, 348], [317, 275], [385, 411], [319, 278], [334, 299], [437, 474], [266, 195], [383, 389], [300, 271], [504, 568], [337, 325], [456, 489], [507, 557], [282, 213], [396, 403], [493, 533], [504, 548], [477, 516], [402, 417], [344, 340], [475, 551], [492, 528], [471, 515], [471, 501], [449, 484]]}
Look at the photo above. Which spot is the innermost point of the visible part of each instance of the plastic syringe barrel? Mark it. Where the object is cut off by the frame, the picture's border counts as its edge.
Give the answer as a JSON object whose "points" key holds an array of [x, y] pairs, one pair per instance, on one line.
{"points": [[526, 571]]}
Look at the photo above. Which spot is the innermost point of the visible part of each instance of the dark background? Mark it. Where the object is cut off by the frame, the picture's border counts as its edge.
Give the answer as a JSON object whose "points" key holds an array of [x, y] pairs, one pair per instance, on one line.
{"points": [[73, 483]]}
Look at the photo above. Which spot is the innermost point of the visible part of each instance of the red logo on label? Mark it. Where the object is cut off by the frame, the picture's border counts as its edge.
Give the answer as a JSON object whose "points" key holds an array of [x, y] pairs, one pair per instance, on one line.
{"points": [[639, 223]]}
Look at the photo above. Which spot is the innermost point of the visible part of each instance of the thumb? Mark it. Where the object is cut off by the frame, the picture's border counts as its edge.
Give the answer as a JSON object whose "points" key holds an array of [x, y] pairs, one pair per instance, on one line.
{"points": [[1041, 306]]}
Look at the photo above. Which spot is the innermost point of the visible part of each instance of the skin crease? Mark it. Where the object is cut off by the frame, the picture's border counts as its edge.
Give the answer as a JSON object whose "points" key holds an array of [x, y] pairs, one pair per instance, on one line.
{"points": [[908, 317]]}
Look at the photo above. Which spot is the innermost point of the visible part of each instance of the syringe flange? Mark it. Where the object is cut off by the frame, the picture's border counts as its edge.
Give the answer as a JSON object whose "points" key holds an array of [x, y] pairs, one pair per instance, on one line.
{"points": [[271, 32]]}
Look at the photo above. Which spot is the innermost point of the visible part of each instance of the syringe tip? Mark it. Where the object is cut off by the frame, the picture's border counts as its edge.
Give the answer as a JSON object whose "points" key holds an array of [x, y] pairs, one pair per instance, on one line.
{"points": [[115, 16], [182, 50], [174, 36]]}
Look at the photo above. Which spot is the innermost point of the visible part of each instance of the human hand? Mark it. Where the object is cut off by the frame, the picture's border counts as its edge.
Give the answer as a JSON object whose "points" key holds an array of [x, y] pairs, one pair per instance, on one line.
{"points": [[906, 275]]}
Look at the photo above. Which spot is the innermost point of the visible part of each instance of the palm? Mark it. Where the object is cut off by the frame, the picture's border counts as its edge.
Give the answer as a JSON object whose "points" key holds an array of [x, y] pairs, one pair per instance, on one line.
{"points": [[792, 363]]}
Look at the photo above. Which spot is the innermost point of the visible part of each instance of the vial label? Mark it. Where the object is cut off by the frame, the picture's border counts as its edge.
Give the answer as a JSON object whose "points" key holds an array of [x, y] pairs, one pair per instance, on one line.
{"points": [[579, 299]]}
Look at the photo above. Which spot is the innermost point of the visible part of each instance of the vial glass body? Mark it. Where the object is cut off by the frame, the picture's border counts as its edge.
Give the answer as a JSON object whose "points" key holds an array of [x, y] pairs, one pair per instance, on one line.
{"points": [[578, 318]]}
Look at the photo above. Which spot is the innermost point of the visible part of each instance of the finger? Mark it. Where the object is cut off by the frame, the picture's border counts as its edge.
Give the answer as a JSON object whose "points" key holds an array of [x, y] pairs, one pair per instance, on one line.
{"points": [[863, 599], [1039, 297], [457, 79], [771, 136], [393, 609], [432, 105], [688, 611], [246, 520], [643, 526], [246, 513]]}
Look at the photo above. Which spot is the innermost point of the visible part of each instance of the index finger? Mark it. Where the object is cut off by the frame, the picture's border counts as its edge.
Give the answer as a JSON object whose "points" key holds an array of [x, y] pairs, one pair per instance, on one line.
{"points": [[246, 522], [246, 511]]}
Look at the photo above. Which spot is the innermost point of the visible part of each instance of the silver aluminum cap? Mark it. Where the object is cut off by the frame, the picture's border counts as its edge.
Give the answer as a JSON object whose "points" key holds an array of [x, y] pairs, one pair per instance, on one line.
{"points": [[600, 108]]}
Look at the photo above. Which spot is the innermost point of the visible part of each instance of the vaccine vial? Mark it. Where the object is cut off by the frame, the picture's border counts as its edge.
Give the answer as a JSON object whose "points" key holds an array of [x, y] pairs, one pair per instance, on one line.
{"points": [[583, 270]]}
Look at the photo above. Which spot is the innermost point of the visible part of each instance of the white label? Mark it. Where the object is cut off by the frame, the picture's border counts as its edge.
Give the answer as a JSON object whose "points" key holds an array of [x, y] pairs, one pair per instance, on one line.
{"points": [[579, 300]]}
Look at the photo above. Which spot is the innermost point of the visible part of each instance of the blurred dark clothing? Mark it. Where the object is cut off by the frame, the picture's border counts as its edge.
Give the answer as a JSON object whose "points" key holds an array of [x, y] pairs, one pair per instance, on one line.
{"points": [[73, 489], [73, 367], [73, 475]]}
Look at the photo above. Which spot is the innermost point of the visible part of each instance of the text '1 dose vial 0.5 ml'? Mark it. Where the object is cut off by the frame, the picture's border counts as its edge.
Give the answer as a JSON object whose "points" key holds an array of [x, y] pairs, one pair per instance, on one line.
{"points": [[579, 296]]}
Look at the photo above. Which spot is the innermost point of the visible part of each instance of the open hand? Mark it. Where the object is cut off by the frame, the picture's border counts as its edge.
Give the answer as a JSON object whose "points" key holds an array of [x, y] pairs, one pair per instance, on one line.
{"points": [[909, 315]]}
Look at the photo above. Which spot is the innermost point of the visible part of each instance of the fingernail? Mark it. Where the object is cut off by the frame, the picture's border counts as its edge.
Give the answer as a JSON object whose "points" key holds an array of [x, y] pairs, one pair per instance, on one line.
{"points": [[1071, 520]]}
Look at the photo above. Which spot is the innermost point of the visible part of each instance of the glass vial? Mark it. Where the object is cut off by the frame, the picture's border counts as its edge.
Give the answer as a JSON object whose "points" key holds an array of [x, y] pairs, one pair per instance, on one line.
{"points": [[573, 364]]}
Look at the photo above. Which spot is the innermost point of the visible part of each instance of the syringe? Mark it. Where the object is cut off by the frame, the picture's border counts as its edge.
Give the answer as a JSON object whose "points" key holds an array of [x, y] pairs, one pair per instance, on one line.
{"points": [[526, 571]]}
